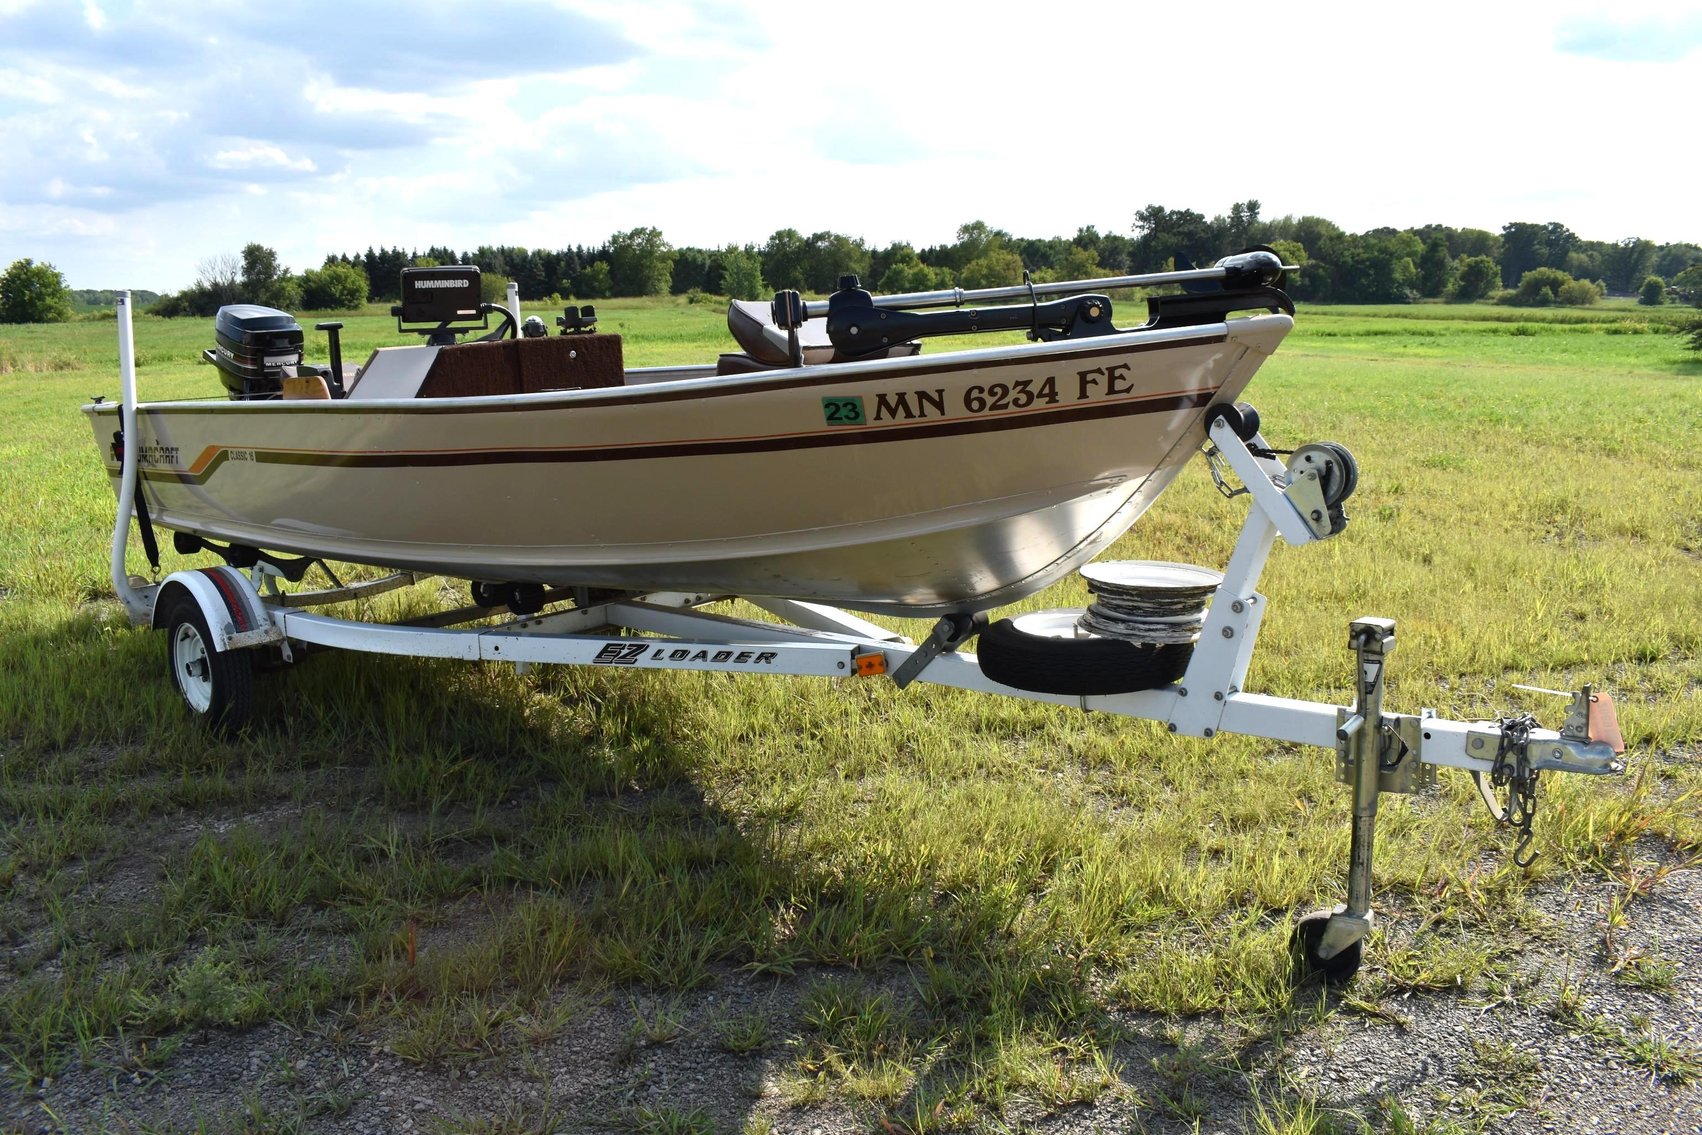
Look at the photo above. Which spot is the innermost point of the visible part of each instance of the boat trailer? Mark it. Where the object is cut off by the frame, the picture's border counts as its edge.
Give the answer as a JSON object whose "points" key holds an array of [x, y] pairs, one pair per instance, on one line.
{"points": [[215, 617]]}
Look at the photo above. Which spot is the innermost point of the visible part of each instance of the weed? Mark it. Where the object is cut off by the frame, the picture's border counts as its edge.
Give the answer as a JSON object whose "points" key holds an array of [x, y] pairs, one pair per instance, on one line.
{"points": [[1650, 972], [662, 1025], [742, 1033], [514, 1117], [662, 1119], [1668, 1060], [1397, 1121], [1293, 1115]]}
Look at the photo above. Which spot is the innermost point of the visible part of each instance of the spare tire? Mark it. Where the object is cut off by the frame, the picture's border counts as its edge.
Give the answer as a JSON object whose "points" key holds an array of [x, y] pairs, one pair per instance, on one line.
{"points": [[1040, 652]]}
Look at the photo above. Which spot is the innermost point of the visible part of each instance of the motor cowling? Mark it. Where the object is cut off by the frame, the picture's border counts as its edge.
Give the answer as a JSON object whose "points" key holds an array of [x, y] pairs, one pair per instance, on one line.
{"points": [[255, 344]]}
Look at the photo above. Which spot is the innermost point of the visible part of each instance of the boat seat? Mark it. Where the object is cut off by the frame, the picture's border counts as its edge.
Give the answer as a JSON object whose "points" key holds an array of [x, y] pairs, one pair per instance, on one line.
{"points": [[304, 387], [525, 366], [753, 328], [767, 345]]}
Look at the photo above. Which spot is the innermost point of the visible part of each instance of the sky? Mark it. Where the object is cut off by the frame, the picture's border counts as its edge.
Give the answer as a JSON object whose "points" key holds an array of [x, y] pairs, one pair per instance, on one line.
{"points": [[140, 139]]}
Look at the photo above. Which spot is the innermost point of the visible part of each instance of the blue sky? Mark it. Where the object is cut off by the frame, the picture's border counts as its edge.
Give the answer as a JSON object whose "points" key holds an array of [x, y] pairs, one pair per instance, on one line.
{"points": [[138, 140]]}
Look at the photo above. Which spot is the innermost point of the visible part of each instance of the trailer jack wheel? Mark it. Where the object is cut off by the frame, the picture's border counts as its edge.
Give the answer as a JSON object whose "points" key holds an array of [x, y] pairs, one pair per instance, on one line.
{"points": [[217, 685], [1308, 939]]}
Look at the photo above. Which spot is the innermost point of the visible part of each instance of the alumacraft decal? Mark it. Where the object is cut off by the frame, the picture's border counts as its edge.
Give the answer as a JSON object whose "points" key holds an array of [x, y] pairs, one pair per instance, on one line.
{"points": [[631, 653]]}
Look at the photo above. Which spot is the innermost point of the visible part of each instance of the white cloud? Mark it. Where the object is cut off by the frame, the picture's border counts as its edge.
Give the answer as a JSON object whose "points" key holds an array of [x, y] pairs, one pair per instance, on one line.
{"points": [[20, 84], [259, 156]]}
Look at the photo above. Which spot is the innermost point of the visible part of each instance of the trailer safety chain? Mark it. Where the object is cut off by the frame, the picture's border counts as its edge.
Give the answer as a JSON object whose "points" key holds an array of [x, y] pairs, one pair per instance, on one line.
{"points": [[1215, 462], [1512, 771]]}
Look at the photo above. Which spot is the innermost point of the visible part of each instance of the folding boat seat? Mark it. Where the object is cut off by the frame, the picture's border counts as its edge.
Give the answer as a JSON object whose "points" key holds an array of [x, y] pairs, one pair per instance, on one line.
{"points": [[768, 346]]}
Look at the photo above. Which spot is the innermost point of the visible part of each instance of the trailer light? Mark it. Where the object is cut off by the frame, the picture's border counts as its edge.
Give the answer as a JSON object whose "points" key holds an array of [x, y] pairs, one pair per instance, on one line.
{"points": [[872, 664]]}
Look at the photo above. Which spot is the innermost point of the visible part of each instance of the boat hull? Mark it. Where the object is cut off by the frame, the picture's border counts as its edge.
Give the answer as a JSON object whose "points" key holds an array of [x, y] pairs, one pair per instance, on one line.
{"points": [[916, 486]]}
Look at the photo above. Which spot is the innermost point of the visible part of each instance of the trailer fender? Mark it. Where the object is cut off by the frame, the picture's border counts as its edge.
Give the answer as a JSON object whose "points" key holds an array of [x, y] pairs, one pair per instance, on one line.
{"points": [[235, 616]]}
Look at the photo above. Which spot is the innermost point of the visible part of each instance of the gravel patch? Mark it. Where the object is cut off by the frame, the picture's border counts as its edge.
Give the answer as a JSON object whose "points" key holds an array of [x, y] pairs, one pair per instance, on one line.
{"points": [[1574, 1045]]}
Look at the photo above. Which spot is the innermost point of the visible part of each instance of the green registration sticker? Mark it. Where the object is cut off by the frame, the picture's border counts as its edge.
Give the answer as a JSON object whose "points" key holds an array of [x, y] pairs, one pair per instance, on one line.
{"points": [[839, 410]]}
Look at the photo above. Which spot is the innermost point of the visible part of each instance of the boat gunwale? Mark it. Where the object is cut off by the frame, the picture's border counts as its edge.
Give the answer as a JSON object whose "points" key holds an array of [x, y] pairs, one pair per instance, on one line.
{"points": [[1137, 340]]}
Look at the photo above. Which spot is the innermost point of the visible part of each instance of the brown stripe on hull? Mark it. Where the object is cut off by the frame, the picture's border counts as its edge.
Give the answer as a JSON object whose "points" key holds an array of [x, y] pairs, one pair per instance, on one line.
{"points": [[714, 447]]}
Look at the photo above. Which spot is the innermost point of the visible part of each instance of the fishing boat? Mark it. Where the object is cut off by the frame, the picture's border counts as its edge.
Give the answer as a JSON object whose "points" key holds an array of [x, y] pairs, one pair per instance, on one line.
{"points": [[829, 459], [829, 463]]}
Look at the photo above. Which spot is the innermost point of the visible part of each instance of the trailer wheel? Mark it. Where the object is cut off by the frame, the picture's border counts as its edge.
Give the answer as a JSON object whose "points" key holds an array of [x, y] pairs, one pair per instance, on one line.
{"points": [[1039, 652], [1303, 947], [216, 685]]}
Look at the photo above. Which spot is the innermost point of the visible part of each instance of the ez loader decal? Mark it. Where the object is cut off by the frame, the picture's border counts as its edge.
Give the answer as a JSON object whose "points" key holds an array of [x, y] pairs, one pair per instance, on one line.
{"points": [[993, 398], [631, 653]]}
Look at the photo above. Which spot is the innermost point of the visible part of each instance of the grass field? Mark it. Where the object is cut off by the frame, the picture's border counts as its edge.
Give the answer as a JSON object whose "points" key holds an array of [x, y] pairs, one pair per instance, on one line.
{"points": [[451, 861]]}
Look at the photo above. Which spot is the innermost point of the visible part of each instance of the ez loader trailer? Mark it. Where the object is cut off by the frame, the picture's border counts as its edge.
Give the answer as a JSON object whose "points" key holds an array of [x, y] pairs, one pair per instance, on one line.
{"points": [[213, 616]]}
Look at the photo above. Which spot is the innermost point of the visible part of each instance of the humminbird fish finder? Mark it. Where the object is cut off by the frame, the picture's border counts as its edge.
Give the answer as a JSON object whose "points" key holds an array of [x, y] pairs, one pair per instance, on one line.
{"points": [[435, 301]]}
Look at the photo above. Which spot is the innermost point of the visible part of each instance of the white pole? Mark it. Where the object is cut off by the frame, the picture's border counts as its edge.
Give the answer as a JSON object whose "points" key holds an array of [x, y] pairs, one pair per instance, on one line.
{"points": [[514, 304], [134, 602]]}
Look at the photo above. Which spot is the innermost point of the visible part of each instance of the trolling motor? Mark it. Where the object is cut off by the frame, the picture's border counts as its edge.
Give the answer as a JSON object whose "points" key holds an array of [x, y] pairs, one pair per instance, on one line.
{"points": [[857, 327], [859, 324]]}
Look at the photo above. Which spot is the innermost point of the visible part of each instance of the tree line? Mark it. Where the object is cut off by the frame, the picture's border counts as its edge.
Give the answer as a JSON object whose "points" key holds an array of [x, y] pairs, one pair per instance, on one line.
{"points": [[1380, 266], [1526, 262]]}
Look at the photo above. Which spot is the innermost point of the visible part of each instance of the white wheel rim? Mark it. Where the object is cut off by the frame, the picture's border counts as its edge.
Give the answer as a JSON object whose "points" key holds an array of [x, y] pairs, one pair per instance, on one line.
{"points": [[1060, 624], [192, 667]]}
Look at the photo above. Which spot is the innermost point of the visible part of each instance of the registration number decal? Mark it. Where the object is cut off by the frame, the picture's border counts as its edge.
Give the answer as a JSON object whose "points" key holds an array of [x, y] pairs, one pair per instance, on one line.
{"points": [[843, 410], [1090, 385]]}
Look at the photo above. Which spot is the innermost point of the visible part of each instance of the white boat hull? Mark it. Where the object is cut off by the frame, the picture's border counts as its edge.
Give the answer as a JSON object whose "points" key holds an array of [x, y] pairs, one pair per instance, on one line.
{"points": [[917, 486]]}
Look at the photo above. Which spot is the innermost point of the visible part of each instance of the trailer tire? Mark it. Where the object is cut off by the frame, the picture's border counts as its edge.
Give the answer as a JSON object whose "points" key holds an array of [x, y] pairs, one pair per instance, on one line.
{"points": [[1029, 652], [217, 685]]}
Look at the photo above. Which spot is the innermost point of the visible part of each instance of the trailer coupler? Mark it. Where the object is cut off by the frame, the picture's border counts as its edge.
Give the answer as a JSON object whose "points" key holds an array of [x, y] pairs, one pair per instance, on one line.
{"points": [[1589, 742]]}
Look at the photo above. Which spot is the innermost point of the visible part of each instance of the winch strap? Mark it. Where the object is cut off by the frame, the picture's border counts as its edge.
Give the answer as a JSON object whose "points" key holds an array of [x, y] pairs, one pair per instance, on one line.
{"points": [[150, 543]]}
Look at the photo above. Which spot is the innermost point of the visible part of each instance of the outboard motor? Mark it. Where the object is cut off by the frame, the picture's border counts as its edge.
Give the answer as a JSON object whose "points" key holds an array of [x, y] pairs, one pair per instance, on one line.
{"points": [[255, 345]]}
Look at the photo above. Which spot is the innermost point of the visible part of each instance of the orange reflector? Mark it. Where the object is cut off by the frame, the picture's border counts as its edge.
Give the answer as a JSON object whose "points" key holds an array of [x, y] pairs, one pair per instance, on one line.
{"points": [[1604, 722], [871, 664]]}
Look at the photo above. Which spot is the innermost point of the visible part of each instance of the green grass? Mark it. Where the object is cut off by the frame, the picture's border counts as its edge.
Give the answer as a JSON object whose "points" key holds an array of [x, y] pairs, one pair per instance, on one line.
{"points": [[967, 890]]}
